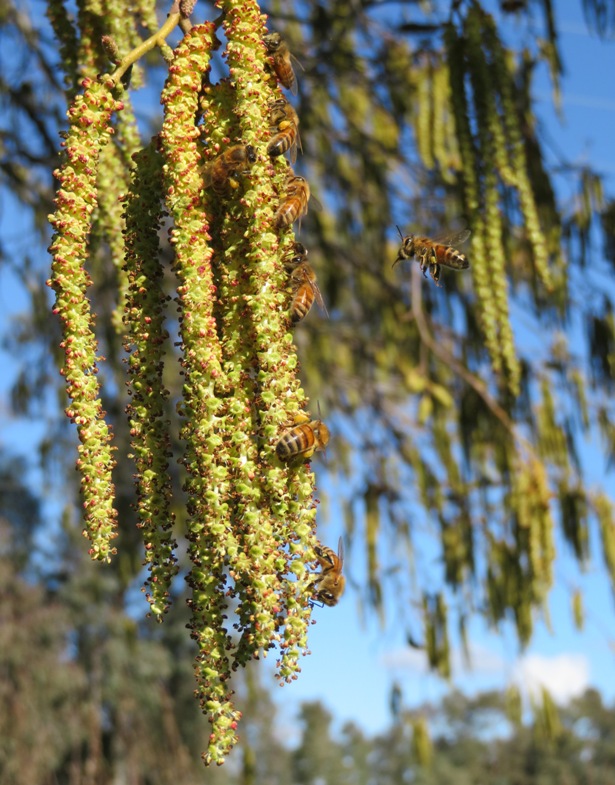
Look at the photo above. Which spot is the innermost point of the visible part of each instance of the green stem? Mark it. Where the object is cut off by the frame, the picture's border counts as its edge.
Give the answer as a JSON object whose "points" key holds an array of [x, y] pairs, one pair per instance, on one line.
{"points": [[157, 39]]}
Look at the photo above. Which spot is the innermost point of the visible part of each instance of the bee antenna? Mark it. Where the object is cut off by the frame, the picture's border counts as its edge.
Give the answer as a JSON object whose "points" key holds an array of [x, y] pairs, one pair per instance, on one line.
{"points": [[399, 230]]}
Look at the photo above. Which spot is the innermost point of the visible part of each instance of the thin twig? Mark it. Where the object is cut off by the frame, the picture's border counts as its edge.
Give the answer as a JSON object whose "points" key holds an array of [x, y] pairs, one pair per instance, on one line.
{"points": [[157, 39], [447, 357]]}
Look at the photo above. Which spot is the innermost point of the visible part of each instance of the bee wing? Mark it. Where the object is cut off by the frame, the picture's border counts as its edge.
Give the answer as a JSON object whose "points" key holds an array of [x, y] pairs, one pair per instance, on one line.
{"points": [[296, 61], [319, 300], [206, 170], [452, 238], [340, 551], [293, 149], [315, 204], [293, 153]]}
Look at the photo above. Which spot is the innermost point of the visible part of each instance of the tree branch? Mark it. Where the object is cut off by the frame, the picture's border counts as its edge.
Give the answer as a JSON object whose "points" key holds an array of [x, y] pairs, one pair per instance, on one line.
{"points": [[457, 367], [157, 39]]}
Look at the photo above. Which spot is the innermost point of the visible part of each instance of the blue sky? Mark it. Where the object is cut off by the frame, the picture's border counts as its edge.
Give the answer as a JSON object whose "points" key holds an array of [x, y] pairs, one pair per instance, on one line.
{"points": [[354, 660]]}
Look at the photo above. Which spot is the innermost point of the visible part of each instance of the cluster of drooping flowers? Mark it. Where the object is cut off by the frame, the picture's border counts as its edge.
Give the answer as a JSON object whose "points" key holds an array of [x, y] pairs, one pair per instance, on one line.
{"points": [[217, 175]]}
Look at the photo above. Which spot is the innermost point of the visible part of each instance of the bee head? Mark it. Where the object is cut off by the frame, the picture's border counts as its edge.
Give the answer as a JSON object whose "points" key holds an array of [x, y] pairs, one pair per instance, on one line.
{"points": [[272, 41], [299, 251], [322, 433], [406, 249]]}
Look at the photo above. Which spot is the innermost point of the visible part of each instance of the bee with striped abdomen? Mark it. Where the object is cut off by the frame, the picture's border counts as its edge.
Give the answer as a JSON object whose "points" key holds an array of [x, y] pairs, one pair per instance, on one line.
{"points": [[436, 253], [329, 583], [219, 173], [303, 439], [285, 127], [282, 64], [305, 291], [294, 204]]}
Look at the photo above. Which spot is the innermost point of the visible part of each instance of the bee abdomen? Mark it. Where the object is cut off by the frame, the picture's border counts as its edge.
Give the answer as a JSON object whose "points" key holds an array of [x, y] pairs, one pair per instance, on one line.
{"points": [[458, 260], [286, 214], [278, 145], [295, 442], [302, 304]]}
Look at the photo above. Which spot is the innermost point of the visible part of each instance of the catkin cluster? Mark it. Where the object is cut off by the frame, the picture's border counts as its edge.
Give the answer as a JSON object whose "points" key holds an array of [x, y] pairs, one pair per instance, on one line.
{"points": [[495, 171], [217, 177]]}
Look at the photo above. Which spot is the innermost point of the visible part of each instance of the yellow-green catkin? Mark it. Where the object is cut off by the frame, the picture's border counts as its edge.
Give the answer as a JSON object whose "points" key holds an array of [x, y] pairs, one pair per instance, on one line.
{"points": [[285, 516], [435, 619], [113, 178], [65, 31], [578, 613], [472, 195], [445, 148], [237, 461], [551, 436], [514, 705], [489, 317], [508, 586], [92, 55], [204, 388], [372, 532], [605, 512], [424, 112], [547, 723], [495, 159], [240, 107], [486, 97], [530, 500], [125, 36], [147, 343], [147, 13], [422, 747], [109, 223], [89, 131], [504, 86]]}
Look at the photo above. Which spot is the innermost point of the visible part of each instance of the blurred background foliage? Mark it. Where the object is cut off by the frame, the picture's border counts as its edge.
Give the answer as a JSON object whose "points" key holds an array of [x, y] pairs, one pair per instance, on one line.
{"points": [[445, 425]]}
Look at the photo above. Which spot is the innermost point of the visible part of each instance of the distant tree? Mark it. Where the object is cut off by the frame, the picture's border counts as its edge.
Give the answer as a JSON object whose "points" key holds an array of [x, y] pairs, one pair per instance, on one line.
{"points": [[354, 758], [317, 758]]}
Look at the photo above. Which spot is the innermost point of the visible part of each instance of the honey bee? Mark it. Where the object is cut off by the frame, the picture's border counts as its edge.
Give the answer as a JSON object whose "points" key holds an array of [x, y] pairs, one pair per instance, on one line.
{"points": [[282, 64], [302, 440], [284, 121], [329, 583], [294, 203], [431, 254], [218, 174], [305, 291]]}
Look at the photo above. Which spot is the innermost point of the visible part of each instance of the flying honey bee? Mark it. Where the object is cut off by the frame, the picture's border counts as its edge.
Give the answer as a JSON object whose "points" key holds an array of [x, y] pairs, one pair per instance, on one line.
{"points": [[432, 254], [305, 291], [329, 583], [285, 126], [282, 64], [303, 439], [219, 173], [294, 203]]}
